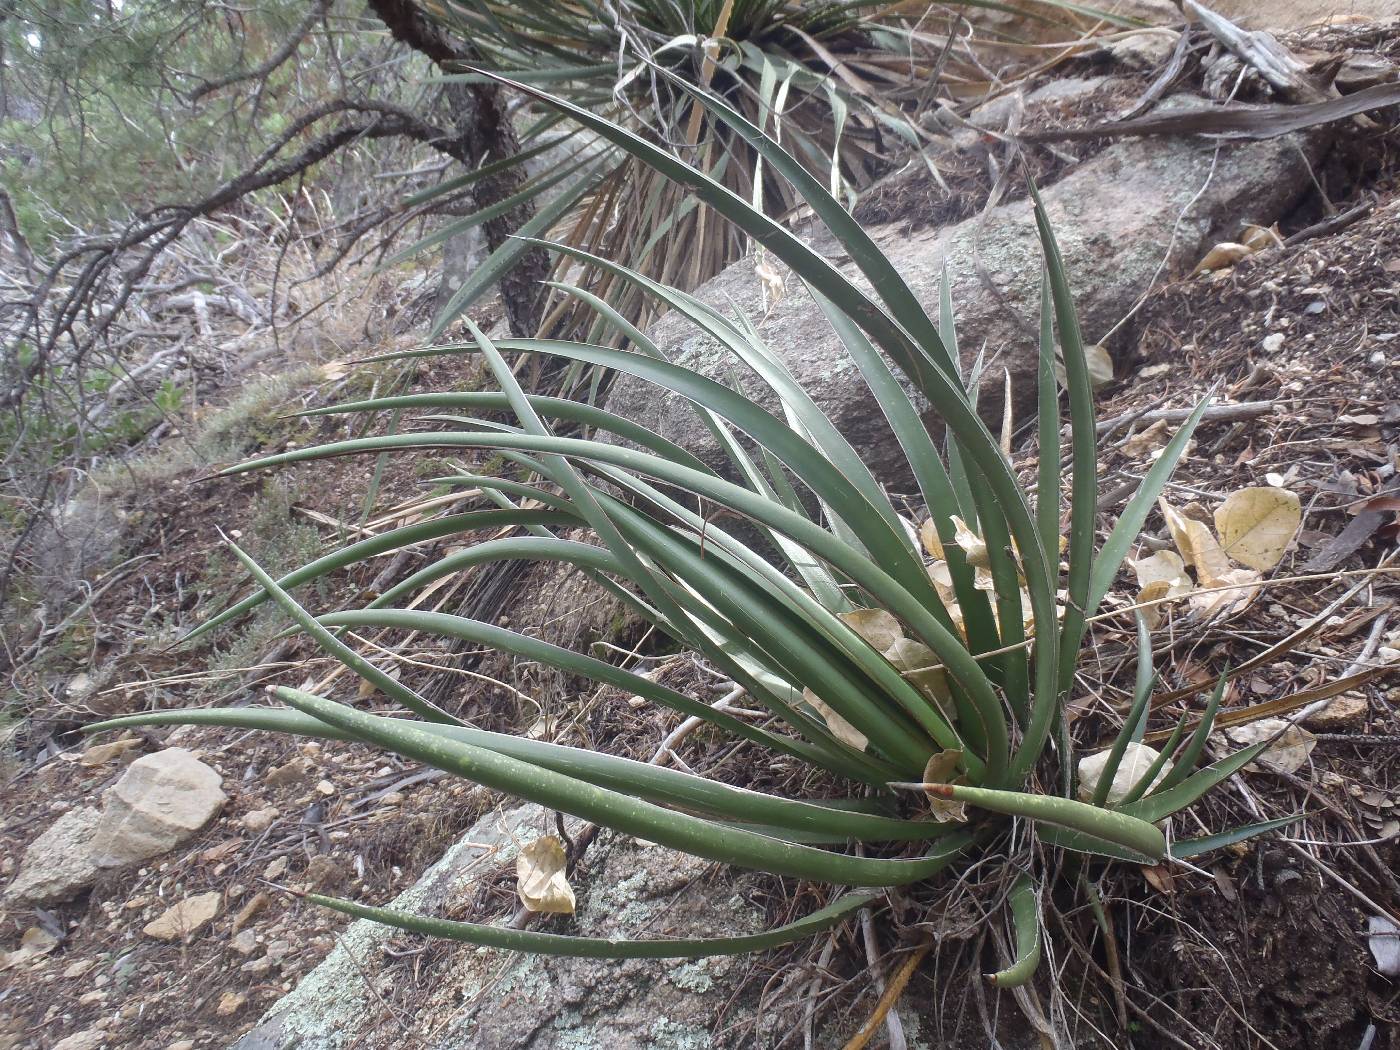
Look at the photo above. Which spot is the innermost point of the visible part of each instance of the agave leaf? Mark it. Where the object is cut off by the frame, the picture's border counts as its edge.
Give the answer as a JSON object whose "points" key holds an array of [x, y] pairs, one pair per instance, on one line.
{"points": [[1116, 826], [1163, 802], [1025, 920], [558, 944], [1185, 849]]}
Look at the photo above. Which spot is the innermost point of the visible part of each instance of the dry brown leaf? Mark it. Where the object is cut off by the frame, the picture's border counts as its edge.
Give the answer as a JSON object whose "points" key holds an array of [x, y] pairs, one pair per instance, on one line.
{"points": [[878, 627], [933, 543], [101, 754], [774, 287], [1286, 754], [940, 770], [1137, 759], [1256, 525], [1149, 440], [540, 879], [840, 728], [1153, 592], [34, 943], [1230, 601], [1223, 255], [922, 668], [1164, 567], [974, 550], [1197, 544]]}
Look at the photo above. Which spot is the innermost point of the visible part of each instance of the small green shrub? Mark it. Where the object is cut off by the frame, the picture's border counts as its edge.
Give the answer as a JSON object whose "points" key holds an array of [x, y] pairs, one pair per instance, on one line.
{"points": [[937, 697]]}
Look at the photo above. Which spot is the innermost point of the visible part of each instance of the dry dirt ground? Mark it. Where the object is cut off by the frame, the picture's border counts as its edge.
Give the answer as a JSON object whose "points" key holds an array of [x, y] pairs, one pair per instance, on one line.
{"points": [[1265, 947]]}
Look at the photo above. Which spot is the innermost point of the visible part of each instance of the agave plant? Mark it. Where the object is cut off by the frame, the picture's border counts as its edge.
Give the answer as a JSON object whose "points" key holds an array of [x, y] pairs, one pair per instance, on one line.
{"points": [[841, 83], [914, 685]]}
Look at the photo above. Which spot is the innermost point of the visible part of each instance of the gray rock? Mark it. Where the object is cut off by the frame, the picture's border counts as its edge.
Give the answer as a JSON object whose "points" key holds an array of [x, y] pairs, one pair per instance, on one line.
{"points": [[332, 1004], [58, 865], [160, 802], [1134, 213], [1145, 50]]}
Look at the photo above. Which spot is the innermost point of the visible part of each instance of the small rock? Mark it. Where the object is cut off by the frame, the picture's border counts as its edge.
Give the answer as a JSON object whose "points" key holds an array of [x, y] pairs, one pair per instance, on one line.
{"points": [[90, 1039], [294, 772], [245, 942], [324, 872], [58, 865], [1273, 343], [230, 1003], [276, 869], [257, 967], [1146, 50], [186, 918], [78, 968], [259, 820], [277, 951], [1347, 711], [80, 687], [246, 913], [160, 802], [94, 996], [181, 1044]]}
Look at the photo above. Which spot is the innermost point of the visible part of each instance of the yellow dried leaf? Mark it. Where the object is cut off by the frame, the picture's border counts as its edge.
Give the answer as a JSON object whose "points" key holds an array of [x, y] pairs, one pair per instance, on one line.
{"points": [[1223, 255], [921, 667], [101, 754], [1196, 543], [840, 728], [1164, 567], [540, 880], [933, 543], [940, 770], [1154, 591], [34, 943], [1230, 601], [876, 626], [1256, 525], [1145, 442], [972, 546]]}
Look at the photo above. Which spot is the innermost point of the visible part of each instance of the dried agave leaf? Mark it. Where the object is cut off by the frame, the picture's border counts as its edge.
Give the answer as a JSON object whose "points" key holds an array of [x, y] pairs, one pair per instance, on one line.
{"points": [[1286, 754], [933, 543], [1223, 255], [540, 879], [1196, 543], [1256, 525], [940, 770], [1230, 601], [1137, 759], [840, 728], [101, 754], [878, 627]]}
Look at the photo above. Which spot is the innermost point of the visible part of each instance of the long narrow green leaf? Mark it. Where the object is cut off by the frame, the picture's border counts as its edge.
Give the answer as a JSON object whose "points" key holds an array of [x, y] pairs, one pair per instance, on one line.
{"points": [[1115, 826], [1185, 849], [559, 944], [1163, 803], [1025, 920], [335, 647], [628, 815]]}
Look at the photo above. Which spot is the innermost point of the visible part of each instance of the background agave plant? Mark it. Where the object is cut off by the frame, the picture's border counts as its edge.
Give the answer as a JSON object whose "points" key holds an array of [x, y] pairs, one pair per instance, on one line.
{"points": [[846, 86], [934, 693]]}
